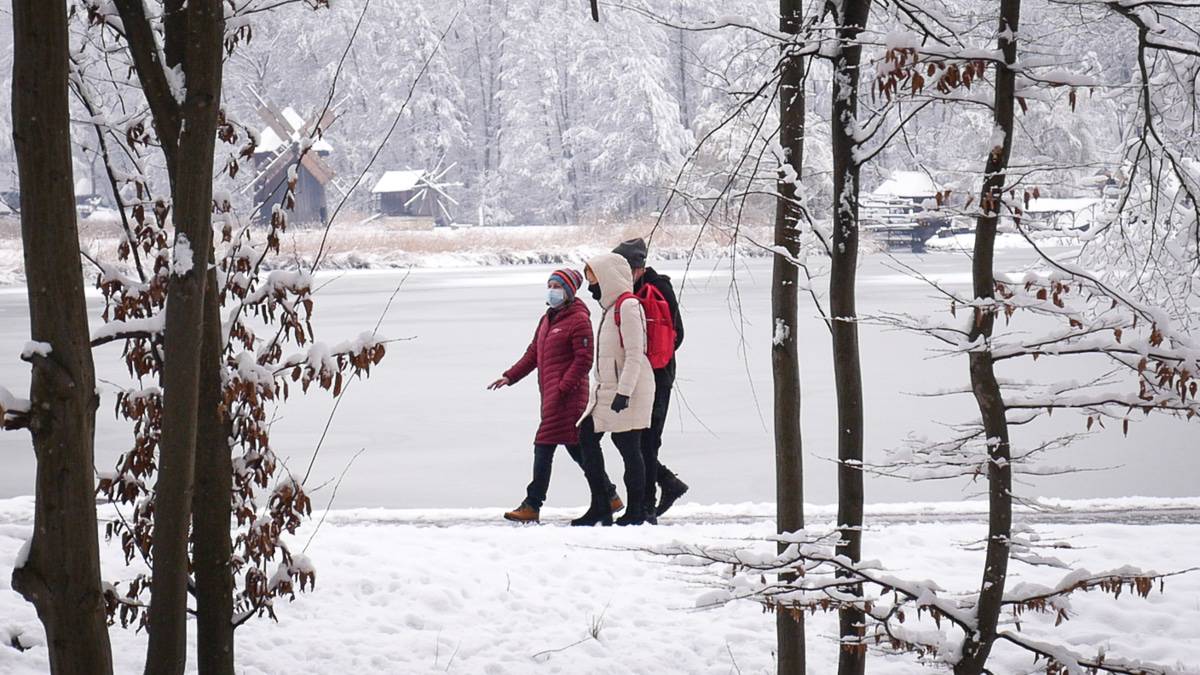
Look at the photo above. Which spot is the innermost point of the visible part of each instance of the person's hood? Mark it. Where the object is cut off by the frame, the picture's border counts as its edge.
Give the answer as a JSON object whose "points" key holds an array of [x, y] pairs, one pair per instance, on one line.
{"points": [[650, 276], [614, 276]]}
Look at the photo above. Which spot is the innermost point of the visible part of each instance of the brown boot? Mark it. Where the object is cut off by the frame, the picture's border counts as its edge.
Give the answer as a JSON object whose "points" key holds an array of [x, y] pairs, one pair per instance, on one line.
{"points": [[617, 504], [523, 514]]}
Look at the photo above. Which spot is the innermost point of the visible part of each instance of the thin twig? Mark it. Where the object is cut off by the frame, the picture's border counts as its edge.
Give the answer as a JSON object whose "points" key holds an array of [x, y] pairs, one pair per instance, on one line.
{"points": [[332, 496], [560, 649]]}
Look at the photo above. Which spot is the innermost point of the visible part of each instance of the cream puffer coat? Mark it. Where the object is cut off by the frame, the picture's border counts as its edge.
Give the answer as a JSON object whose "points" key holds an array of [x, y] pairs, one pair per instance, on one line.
{"points": [[621, 363]]}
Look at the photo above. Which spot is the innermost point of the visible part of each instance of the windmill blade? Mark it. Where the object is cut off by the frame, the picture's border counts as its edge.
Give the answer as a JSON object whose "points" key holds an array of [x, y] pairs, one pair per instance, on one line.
{"points": [[328, 117], [320, 125], [276, 122], [439, 174], [317, 167], [270, 172], [419, 195], [337, 185], [449, 218], [438, 189]]}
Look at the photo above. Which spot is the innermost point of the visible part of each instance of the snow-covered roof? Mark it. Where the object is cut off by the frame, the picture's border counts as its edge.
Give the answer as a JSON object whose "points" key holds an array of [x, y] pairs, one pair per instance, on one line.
{"points": [[1061, 205], [269, 141], [914, 184], [398, 181]]}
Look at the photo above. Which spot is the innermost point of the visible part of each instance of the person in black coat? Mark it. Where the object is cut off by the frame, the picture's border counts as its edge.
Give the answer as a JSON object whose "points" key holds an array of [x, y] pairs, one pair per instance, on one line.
{"points": [[671, 487]]}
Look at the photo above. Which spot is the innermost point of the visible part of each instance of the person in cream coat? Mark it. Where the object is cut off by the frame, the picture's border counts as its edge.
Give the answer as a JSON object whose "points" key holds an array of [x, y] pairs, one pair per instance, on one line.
{"points": [[622, 396]]}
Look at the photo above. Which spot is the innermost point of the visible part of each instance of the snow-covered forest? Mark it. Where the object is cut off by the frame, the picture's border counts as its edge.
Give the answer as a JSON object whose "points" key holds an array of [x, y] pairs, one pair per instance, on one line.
{"points": [[550, 118], [936, 407]]}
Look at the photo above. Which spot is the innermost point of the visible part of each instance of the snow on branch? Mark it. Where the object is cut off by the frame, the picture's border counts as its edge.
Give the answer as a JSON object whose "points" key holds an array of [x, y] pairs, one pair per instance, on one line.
{"points": [[1155, 359], [1060, 660], [163, 88], [965, 455], [805, 578], [129, 329], [324, 365], [14, 411]]}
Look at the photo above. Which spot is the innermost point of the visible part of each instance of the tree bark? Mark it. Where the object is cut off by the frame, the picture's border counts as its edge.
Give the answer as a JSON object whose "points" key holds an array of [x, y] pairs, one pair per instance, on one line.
{"points": [[851, 16], [212, 510], [785, 360], [193, 32], [61, 575], [977, 645]]}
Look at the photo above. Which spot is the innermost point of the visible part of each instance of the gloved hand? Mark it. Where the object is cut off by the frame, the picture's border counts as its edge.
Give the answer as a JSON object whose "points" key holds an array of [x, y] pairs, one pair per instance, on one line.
{"points": [[620, 402]]}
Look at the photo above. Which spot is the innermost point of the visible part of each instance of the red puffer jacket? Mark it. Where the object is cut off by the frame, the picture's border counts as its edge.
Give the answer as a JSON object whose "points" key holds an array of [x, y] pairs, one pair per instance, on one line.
{"points": [[562, 352]]}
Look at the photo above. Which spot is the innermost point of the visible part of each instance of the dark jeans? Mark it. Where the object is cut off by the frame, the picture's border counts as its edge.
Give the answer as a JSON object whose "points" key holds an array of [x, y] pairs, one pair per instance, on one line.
{"points": [[543, 463], [664, 381], [639, 484]]}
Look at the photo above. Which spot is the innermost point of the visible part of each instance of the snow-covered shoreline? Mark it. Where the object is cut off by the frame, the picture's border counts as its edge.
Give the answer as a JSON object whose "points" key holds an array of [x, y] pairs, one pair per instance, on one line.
{"points": [[1179, 509], [359, 247], [378, 246], [499, 599]]}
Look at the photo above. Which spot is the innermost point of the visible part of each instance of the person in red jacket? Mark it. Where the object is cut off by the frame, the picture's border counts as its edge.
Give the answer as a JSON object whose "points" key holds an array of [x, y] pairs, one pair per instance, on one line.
{"points": [[561, 352]]}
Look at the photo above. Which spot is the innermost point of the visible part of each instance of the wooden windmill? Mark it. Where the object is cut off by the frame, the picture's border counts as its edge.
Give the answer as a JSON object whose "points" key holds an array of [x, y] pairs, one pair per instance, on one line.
{"points": [[416, 193], [279, 148]]}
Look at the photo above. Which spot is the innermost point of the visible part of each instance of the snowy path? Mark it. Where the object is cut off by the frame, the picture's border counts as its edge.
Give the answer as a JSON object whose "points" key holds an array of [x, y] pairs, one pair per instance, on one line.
{"points": [[1122, 511], [480, 596]]}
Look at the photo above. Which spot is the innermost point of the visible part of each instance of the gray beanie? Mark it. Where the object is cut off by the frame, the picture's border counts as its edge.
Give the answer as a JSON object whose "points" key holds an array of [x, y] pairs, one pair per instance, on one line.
{"points": [[633, 251]]}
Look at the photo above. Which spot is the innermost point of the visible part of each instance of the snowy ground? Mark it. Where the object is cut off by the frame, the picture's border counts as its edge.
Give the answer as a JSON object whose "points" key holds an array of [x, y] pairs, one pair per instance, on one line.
{"points": [[443, 588], [456, 591]]}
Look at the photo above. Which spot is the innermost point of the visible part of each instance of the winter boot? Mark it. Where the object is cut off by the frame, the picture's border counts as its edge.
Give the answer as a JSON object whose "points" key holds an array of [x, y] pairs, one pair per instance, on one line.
{"points": [[631, 517], [650, 517], [649, 512], [599, 513], [616, 504], [523, 514], [672, 490], [635, 512]]}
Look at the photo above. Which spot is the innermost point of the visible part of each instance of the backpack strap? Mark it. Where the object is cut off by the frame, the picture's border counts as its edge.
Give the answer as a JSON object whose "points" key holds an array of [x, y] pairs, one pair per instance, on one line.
{"points": [[617, 313], [651, 292], [617, 306]]}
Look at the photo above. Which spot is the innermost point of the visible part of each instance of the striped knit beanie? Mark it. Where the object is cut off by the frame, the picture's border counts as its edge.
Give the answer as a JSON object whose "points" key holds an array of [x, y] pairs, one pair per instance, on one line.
{"points": [[570, 280]]}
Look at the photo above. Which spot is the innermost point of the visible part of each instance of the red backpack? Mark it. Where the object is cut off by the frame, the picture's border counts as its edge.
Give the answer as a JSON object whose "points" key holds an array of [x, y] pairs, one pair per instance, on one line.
{"points": [[660, 327]]}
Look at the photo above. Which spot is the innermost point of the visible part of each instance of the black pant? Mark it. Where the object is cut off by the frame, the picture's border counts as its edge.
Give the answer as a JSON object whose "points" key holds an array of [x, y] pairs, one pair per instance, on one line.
{"points": [[639, 483], [664, 381], [543, 463]]}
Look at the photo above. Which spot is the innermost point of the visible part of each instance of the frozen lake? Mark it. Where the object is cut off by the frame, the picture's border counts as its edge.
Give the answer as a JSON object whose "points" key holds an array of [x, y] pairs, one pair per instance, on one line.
{"points": [[432, 436]]}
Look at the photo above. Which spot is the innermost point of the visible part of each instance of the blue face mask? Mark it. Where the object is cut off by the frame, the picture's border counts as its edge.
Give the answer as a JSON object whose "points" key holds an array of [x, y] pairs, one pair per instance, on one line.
{"points": [[555, 297]]}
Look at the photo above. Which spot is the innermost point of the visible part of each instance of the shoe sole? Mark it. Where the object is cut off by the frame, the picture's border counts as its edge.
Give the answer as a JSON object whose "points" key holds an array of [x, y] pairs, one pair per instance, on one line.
{"points": [[521, 520]]}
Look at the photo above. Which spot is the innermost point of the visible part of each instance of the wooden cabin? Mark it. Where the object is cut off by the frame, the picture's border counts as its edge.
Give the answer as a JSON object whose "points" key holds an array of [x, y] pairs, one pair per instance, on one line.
{"points": [[902, 211]]}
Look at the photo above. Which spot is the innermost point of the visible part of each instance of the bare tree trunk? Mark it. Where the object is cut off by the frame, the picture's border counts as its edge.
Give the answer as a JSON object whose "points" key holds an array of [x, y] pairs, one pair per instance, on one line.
{"points": [[193, 32], [851, 18], [681, 37], [212, 509], [785, 360], [977, 645], [61, 575]]}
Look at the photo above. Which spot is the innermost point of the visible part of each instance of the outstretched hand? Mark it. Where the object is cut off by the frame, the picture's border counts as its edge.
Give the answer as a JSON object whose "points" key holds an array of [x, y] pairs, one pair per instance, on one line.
{"points": [[502, 382]]}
